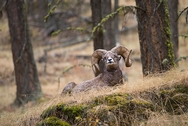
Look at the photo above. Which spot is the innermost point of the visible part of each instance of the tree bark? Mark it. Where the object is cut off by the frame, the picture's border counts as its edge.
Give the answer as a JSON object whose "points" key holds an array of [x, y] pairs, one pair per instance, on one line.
{"points": [[173, 10], [109, 36], [96, 18], [27, 82], [37, 10], [154, 36], [116, 20]]}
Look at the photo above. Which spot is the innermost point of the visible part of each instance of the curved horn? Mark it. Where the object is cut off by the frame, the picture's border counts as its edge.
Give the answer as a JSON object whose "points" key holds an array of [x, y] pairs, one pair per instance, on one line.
{"points": [[96, 56], [125, 53]]}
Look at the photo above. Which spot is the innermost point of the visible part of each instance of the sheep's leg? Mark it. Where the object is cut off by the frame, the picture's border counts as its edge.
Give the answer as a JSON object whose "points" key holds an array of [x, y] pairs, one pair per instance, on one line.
{"points": [[68, 88]]}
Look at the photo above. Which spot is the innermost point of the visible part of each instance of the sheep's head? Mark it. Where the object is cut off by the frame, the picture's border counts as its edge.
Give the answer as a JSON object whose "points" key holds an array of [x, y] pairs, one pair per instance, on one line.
{"points": [[110, 58]]}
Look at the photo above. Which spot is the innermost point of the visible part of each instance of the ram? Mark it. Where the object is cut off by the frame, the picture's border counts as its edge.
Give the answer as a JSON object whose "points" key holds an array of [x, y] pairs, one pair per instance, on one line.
{"points": [[108, 75]]}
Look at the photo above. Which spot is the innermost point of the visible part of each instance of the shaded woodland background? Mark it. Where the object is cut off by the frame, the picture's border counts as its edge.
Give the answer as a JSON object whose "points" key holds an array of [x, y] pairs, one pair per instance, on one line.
{"points": [[62, 50]]}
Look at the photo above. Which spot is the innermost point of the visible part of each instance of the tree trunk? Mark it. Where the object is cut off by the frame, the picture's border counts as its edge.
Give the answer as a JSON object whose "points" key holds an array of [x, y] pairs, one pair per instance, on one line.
{"points": [[116, 20], [27, 82], [154, 36], [173, 10], [96, 18], [31, 9], [37, 9], [109, 36], [42, 10]]}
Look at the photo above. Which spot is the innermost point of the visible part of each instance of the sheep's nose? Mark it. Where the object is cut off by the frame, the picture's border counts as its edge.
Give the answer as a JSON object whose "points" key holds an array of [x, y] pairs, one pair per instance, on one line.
{"points": [[110, 60]]}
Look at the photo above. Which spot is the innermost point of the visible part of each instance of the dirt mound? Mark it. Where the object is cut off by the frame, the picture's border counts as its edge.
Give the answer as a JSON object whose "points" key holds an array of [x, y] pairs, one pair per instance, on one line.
{"points": [[134, 108]]}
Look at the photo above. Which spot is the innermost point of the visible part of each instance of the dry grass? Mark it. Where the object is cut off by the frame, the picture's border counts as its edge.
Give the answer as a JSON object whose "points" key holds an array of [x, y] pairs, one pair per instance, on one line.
{"points": [[168, 120]]}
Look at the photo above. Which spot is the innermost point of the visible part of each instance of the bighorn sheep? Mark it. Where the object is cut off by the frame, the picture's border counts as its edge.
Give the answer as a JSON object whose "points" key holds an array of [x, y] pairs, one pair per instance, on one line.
{"points": [[110, 75]]}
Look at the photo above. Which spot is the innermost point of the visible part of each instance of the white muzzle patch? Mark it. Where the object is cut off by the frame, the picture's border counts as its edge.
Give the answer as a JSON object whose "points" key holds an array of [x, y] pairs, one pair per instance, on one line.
{"points": [[110, 60]]}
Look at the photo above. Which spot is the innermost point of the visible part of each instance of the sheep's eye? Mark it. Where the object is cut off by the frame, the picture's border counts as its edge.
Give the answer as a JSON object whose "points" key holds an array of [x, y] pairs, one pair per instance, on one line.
{"points": [[104, 59], [118, 57]]}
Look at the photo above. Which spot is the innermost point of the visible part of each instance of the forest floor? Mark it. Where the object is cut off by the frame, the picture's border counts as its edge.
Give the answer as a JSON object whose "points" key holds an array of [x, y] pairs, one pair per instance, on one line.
{"points": [[55, 78]]}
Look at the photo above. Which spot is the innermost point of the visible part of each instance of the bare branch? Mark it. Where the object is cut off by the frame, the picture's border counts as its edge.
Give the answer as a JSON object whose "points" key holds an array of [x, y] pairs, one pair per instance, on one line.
{"points": [[181, 58], [70, 68], [184, 36], [64, 44], [111, 15], [181, 13]]}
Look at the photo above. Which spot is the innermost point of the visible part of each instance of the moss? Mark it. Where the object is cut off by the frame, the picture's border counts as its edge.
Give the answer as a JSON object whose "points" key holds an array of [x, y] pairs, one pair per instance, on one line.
{"points": [[170, 52], [115, 99], [118, 99], [51, 10], [167, 92], [52, 121], [74, 111], [61, 111], [141, 102], [56, 32], [48, 112]]}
